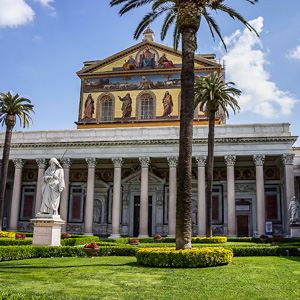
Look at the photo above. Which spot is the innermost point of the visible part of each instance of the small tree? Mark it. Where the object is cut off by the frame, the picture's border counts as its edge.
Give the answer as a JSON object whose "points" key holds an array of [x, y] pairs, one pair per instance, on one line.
{"points": [[213, 93], [11, 107]]}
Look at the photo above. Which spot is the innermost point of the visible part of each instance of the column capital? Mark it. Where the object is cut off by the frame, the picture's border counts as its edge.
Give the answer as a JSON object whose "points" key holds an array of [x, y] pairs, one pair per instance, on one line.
{"points": [[144, 161], [172, 161], [230, 160], [117, 161], [201, 160], [66, 162], [41, 162], [19, 163], [259, 159], [92, 162], [288, 159]]}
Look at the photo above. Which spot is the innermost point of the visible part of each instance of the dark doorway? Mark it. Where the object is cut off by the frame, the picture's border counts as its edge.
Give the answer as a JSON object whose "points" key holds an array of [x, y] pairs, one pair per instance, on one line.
{"points": [[242, 225], [136, 223]]}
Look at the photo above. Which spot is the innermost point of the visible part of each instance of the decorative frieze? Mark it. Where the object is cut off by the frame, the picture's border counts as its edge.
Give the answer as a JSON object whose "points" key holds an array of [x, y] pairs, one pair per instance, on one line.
{"points": [[41, 162], [259, 159], [230, 160], [92, 162], [19, 163], [201, 160], [117, 161], [144, 161], [288, 159], [172, 161], [244, 187], [66, 162]]}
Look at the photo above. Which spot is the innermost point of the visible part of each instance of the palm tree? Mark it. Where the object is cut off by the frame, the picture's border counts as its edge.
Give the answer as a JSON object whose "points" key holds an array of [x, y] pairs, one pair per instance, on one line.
{"points": [[186, 16], [10, 108], [213, 93]]}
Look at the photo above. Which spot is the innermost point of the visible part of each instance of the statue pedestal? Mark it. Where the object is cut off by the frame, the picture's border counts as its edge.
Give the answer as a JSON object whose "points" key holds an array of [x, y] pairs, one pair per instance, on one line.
{"points": [[47, 230], [295, 230]]}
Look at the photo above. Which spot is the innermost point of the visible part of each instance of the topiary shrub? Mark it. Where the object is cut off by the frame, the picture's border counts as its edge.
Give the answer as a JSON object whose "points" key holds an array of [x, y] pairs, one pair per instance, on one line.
{"points": [[195, 258], [79, 241]]}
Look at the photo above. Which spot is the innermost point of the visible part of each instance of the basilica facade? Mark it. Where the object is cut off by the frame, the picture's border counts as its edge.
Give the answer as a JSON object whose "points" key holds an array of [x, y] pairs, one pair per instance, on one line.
{"points": [[120, 164]]}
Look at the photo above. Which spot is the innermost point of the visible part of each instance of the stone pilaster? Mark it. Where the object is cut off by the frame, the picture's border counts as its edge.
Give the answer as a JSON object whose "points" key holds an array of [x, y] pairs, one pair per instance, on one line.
{"points": [[89, 201], [41, 162], [172, 161], [16, 196], [260, 194], [231, 215], [201, 210], [143, 229], [116, 205], [64, 201], [288, 160]]}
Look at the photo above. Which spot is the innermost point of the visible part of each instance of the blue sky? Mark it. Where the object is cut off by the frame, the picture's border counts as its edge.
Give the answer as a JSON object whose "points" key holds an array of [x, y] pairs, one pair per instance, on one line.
{"points": [[44, 42]]}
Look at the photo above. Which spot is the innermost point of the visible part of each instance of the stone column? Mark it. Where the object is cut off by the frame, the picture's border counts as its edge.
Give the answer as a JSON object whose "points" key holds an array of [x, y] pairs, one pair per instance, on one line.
{"points": [[64, 200], [201, 212], [172, 161], [143, 230], [16, 196], [89, 201], [287, 160], [231, 216], [116, 205], [41, 162], [260, 194]]}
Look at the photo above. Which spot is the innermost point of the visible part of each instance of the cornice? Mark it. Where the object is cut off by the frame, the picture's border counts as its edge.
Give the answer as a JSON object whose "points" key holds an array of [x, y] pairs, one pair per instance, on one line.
{"points": [[196, 141]]}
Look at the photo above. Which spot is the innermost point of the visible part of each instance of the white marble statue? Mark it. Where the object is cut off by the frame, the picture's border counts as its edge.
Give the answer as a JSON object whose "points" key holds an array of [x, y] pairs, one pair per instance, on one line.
{"points": [[52, 186], [294, 208]]}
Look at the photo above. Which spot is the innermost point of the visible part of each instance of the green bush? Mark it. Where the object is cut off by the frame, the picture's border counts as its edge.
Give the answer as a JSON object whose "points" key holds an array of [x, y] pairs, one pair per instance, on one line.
{"points": [[28, 234], [13, 242], [79, 241], [214, 239], [265, 251], [195, 258]]}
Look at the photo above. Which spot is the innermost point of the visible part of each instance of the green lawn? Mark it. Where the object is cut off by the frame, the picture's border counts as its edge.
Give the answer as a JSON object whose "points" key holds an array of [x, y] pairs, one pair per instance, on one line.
{"points": [[122, 278]]}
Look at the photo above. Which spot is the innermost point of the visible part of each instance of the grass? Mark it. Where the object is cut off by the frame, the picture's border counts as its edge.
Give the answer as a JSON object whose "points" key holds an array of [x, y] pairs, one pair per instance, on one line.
{"points": [[121, 278]]}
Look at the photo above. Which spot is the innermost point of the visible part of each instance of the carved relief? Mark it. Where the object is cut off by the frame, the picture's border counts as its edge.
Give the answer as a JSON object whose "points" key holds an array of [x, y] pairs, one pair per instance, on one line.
{"points": [[172, 161], [230, 160], [288, 159], [41, 162], [243, 187], [144, 161], [201, 161], [19, 163], [91, 162], [30, 175], [66, 163], [76, 228], [259, 159], [118, 162]]}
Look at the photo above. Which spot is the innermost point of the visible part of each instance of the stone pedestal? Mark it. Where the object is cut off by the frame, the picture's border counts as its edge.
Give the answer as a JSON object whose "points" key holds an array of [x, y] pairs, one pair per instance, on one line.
{"points": [[295, 230], [47, 230]]}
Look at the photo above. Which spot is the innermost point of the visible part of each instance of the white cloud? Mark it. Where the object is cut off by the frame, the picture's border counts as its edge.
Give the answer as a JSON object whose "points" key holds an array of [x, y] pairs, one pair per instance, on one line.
{"points": [[14, 13], [295, 54], [47, 3], [37, 38], [244, 65]]}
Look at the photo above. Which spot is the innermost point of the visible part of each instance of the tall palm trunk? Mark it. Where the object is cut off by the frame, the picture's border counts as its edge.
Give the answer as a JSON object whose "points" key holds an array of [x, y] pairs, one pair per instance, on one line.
{"points": [[210, 170], [10, 123], [184, 187]]}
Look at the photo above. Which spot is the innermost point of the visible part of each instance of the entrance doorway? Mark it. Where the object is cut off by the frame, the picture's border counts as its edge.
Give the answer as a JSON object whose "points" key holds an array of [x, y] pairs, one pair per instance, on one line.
{"points": [[242, 225], [136, 222]]}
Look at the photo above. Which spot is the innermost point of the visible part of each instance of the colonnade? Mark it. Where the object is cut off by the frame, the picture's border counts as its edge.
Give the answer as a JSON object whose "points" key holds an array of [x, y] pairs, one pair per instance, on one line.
{"points": [[229, 160]]}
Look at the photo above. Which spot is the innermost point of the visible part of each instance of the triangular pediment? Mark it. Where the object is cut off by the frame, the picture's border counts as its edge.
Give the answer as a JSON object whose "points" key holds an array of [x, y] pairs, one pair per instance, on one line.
{"points": [[145, 56], [135, 178]]}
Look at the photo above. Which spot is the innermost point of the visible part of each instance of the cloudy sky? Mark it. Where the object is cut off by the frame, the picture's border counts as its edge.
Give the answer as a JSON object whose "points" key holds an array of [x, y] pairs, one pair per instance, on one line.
{"points": [[44, 42]]}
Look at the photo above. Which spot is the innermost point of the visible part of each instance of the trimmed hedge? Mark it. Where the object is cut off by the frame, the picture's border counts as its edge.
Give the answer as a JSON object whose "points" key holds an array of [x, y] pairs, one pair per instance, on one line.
{"points": [[214, 239], [265, 251], [195, 258], [13, 242], [79, 241]]}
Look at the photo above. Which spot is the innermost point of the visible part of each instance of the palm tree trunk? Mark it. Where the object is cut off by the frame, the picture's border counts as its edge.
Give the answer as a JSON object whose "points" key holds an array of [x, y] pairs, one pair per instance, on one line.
{"points": [[184, 186], [4, 169], [210, 170]]}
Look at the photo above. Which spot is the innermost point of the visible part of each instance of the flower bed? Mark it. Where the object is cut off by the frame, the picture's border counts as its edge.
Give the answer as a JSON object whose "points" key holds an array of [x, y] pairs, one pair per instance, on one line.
{"points": [[7, 234], [195, 258]]}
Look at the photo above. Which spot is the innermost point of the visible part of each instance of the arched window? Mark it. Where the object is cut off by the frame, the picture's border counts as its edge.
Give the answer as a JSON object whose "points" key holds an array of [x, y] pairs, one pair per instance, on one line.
{"points": [[146, 107], [105, 107]]}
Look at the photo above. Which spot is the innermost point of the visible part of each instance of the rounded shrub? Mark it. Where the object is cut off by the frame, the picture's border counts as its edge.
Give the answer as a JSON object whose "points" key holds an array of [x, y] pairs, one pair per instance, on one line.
{"points": [[195, 258]]}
